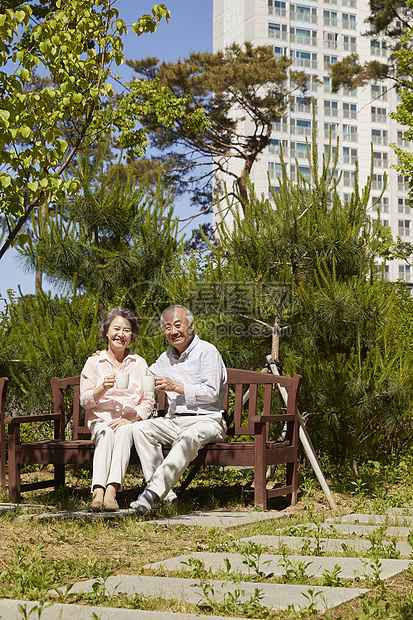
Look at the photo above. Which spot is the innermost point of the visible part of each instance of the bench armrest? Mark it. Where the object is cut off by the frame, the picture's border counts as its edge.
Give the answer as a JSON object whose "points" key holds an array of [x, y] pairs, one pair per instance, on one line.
{"points": [[283, 417], [21, 419]]}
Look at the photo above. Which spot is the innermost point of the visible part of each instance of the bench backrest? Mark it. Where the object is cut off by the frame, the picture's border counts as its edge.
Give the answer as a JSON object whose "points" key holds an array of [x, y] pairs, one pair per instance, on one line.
{"points": [[249, 393]]}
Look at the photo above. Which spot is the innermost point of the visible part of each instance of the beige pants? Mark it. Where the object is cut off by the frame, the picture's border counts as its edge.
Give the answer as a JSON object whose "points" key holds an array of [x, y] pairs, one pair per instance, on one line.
{"points": [[112, 453], [187, 434]]}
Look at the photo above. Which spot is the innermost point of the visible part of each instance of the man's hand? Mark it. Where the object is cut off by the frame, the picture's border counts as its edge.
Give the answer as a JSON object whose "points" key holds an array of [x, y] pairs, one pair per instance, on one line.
{"points": [[169, 385]]}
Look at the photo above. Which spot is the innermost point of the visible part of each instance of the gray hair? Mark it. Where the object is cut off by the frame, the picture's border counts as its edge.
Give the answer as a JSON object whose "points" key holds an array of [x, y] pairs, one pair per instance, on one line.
{"points": [[112, 314], [188, 314]]}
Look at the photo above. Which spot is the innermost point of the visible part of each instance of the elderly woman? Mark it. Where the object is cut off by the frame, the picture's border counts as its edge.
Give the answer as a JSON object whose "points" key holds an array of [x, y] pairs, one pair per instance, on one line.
{"points": [[111, 411]]}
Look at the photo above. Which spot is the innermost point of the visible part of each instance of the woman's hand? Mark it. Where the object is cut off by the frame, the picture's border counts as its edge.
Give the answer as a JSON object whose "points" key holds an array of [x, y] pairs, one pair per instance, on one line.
{"points": [[115, 424], [100, 390], [109, 382]]}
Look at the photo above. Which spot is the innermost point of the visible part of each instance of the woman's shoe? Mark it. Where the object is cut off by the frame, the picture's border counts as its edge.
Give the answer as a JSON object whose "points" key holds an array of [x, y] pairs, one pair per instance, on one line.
{"points": [[110, 505], [95, 506]]}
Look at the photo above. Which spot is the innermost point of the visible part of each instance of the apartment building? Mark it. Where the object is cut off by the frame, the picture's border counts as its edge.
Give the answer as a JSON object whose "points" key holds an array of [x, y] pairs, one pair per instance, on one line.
{"points": [[316, 34]]}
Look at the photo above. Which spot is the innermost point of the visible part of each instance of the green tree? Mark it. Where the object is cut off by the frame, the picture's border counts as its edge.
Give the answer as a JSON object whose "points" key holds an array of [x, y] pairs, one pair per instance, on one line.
{"points": [[235, 85], [296, 278], [76, 46], [112, 239]]}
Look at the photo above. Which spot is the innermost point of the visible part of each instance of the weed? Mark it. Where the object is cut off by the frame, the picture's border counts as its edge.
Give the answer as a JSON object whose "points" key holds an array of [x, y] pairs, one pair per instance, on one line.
{"points": [[252, 552], [332, 578], [196, 567], [35, 609], [295, 570]]}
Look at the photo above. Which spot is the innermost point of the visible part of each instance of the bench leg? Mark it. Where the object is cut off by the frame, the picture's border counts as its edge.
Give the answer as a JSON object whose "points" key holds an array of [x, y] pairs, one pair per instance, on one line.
{"points": [[14, 474], [260, 474], [59, 476]]}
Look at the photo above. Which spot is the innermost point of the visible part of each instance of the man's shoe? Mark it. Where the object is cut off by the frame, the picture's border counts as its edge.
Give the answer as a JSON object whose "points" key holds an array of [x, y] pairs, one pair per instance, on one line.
{"points": [[171, 498], [144, 503]]}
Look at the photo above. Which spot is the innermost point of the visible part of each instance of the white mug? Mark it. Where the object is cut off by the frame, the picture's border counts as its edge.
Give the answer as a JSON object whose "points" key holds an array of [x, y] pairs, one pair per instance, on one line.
{"points": [[148, 383], [122, 380]]}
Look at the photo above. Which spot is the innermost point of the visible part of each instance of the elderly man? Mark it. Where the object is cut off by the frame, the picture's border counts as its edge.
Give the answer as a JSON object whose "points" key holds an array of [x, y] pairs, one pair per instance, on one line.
{"points": [[194, 377]]}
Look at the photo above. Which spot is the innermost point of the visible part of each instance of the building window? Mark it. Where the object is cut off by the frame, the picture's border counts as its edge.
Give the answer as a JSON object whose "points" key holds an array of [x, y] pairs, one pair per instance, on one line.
{"points": [[403, 227], [277, 7], [350, 133], [330, 149], [400, 142], [349, 21], [330, 40], [377, 48], [274, 170], [275, 145], [348, 178], [280, 125], [327, 84], [330, 127], [349, 92], [403, 206], [330, 108], [349, 43], [300, 127], [404, 273], [380, 137], [304, 59], [378, 92], [380, 160], [329, 60], [303, 14], [330, 18], [299, 150], [378, 115], [280, 51], [349, 110], [277, 31], [302, 104], [402, 183], [312, 83], [380, 203], [303, 36], [349, 155], [350, 3], [304, 170], [377, 182]]}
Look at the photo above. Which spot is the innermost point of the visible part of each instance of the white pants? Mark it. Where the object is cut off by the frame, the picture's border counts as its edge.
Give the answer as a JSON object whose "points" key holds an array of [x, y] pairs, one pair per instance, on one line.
{"points": [[112, 453], [187, 434]]}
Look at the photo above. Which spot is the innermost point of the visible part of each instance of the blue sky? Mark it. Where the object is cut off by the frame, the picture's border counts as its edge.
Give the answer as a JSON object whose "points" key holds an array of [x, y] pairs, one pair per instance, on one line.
{"points": [[189, 30]]}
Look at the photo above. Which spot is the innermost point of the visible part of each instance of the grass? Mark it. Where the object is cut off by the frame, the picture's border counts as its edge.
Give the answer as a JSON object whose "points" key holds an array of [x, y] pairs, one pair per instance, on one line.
{"points": [[37, 556]]}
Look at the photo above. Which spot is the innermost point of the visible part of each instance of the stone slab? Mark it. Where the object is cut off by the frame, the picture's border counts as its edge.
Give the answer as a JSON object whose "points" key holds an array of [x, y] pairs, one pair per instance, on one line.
{"points": [[365, 530], [328, 545], [10, 609], [83, 514], [275, 596], [366, 519], [209, 518], [350, 568], [222, 518]]}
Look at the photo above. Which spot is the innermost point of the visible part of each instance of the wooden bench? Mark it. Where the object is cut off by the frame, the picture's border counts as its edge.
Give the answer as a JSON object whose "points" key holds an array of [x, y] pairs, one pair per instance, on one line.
{"points": [[252, 409]]}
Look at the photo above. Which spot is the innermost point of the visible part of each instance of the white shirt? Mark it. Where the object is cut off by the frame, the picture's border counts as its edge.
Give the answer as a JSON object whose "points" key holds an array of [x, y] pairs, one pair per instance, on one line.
{"points": [[201, 369]]}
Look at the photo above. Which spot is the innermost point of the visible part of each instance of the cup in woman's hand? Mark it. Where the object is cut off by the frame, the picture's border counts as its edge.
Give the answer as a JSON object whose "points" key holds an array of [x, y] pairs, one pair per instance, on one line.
{"points": [[148, 383], [122, 380]]}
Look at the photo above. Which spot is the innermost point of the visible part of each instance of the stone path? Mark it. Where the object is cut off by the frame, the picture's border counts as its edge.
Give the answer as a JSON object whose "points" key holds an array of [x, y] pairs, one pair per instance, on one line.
{"points": [[323, 549]]}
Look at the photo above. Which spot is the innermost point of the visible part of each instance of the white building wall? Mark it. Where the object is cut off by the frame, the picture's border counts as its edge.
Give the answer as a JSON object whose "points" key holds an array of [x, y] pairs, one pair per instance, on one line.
{"points": [[309, 31]]}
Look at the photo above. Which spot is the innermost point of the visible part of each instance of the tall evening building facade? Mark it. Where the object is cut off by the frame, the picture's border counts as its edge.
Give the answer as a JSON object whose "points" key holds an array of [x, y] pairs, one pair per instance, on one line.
{"points": [[315, 34]]}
